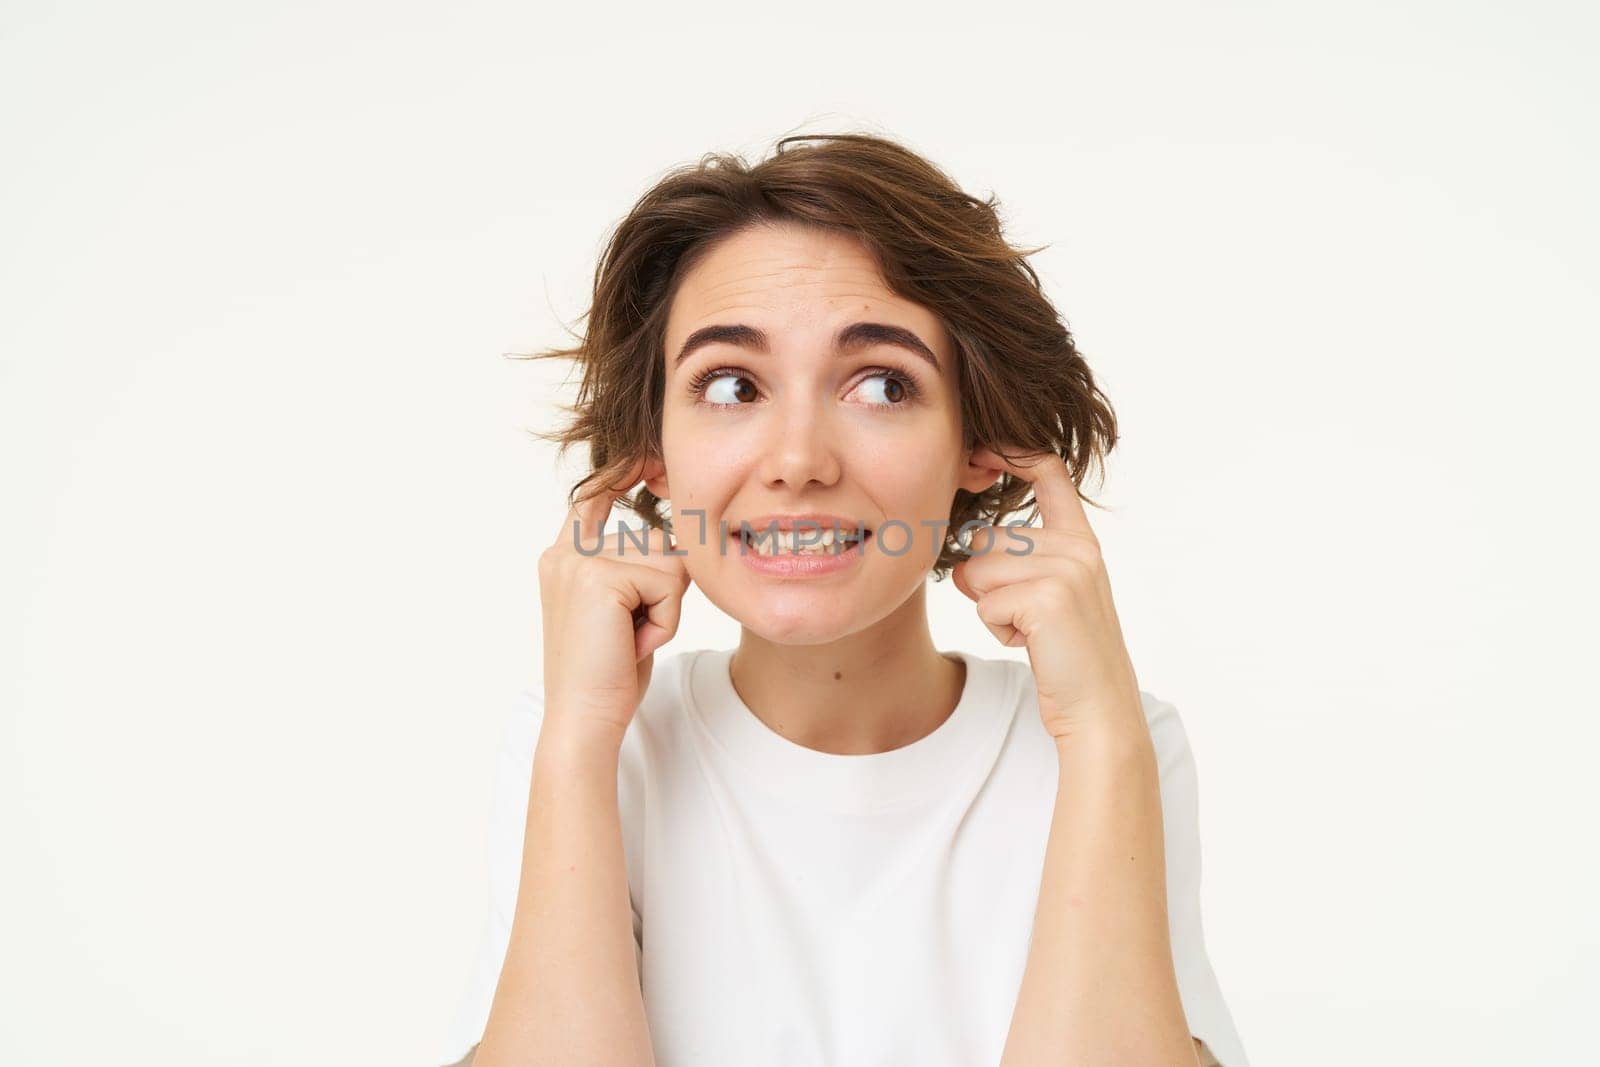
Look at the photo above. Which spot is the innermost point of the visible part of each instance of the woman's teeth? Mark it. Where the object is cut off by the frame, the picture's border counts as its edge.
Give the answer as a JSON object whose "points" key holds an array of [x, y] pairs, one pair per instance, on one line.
{"points": [[784, 542]]}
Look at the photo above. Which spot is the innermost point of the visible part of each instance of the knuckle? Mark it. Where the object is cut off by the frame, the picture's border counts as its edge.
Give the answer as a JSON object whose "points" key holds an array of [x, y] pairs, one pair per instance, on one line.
{"points": [[592, 577], [1058, 592], [1086, 550]]}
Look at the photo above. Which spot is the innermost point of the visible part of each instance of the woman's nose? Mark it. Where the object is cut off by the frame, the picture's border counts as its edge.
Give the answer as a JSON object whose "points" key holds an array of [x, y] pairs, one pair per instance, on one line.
{"points": [[801, 448]]}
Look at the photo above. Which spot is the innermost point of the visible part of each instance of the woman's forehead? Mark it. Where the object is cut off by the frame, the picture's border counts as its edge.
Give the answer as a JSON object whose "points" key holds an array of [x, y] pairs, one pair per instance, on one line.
{"points": [[792, 280]]}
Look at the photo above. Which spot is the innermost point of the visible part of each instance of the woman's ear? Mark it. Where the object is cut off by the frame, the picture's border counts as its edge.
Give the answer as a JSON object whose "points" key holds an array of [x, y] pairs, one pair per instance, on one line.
{"points": [[976, 474], [655, 477]]}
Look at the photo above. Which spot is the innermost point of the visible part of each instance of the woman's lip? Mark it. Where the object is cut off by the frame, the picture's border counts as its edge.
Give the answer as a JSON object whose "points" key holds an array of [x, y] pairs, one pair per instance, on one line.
{"points": [[797, 565], [808, 534], [813, 523]]}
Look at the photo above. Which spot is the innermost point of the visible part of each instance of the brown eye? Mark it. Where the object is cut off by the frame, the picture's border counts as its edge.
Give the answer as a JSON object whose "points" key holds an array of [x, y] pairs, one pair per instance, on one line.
{"points": [[894, 389], [724, 387]]}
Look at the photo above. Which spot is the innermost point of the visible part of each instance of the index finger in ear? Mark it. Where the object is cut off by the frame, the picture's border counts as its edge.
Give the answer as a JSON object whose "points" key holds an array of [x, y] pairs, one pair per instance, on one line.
{"points": [[1053, 487]]}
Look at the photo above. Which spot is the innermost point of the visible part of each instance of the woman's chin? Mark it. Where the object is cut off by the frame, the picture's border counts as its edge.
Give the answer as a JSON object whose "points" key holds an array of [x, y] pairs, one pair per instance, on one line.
{"points": [[797, 631], [791, 618]]}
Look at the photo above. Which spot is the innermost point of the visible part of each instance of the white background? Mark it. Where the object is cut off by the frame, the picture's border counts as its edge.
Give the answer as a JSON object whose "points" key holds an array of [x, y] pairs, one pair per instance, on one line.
{"points": [[272, 512]]}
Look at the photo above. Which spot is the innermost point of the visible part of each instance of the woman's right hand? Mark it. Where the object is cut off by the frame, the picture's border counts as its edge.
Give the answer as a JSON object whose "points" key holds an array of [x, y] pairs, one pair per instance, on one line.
{"points": [[605, 613]]}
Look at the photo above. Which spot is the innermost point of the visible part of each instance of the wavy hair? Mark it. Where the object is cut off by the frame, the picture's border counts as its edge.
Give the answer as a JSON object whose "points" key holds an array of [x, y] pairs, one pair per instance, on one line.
{"points": [[1021, 379]]}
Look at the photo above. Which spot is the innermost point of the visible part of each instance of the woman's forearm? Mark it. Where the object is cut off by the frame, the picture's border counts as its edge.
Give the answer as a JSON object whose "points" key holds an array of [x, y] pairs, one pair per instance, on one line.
{"points": [[1099, 985], [569, 990]]}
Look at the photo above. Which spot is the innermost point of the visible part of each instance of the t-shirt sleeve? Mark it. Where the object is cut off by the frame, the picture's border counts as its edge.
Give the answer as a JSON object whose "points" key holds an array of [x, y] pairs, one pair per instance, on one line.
{"points": [[508, 821], [1203, 1003]]}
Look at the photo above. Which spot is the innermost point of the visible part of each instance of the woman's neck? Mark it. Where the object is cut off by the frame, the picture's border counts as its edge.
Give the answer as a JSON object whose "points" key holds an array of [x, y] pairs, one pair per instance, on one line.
{"points": [[876, 690]]}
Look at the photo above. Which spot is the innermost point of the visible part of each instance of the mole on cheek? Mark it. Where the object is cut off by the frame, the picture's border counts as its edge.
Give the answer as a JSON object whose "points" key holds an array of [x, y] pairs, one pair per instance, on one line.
{"points": [[836, 676]]}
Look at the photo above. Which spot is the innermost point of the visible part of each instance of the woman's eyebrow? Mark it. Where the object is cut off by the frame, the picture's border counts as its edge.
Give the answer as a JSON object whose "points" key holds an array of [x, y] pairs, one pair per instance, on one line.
{"points": [[854, 336]]}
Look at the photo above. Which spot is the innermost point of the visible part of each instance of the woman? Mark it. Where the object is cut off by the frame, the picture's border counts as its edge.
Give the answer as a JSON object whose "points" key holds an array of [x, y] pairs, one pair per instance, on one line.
{"points": [[836, 844]]}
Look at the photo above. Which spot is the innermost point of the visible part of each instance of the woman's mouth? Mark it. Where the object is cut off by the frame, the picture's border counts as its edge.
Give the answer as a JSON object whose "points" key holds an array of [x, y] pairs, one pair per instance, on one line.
{"points": [[801, 542], [804, 553]]}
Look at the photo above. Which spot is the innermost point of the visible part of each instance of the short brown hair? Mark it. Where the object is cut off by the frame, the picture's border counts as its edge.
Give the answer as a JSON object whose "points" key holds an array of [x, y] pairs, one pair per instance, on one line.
{"points": [[1021, 379]]}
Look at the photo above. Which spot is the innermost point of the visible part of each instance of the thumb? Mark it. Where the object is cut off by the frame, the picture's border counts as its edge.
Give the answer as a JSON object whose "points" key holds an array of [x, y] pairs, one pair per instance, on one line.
{"points": [[957, 576], [658, 625]]}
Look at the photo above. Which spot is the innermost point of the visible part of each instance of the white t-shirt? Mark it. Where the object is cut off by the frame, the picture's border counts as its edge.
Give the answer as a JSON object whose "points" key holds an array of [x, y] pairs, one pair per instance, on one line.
{"points": [[795, 908]]}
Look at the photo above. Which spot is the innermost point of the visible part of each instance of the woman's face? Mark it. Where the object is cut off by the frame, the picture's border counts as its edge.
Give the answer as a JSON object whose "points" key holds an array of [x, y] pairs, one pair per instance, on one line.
{"points": [[779, 418]]}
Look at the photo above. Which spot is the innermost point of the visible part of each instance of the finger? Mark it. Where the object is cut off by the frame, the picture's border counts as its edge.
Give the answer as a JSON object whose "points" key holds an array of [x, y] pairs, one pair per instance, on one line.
{"points": [[658, 626], [1027, 606], [635, 542], [1052, 484], [648, 546], [664, 553], [981, 541], [1064, 554], [958, 576], [998, 611], [656, 598]]}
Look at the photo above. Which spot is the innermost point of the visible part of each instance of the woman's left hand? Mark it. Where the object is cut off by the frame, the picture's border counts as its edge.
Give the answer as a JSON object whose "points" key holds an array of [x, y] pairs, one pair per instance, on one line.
{"points": [[1055, 598]]}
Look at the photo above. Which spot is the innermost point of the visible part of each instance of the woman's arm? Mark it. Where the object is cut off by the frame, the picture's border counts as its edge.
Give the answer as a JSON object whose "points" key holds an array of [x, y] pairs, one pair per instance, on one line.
{"points": [[569, 987], [569, 990], [1099, 985]]}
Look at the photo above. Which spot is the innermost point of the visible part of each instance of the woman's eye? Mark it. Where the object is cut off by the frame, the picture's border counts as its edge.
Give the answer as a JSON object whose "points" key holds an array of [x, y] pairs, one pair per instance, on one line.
{"points": [[893, 391], [729, 390], [725, 387]]}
